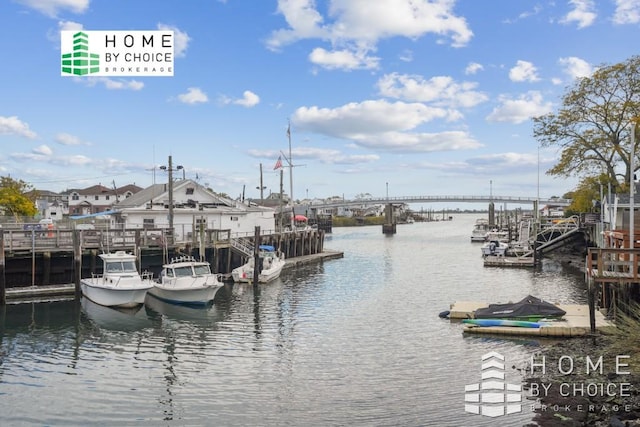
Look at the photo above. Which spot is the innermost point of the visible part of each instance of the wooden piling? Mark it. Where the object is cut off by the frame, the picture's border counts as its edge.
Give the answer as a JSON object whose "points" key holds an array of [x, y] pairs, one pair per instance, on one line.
{"points": [[256, 256], [3, 283], [77, 263], [46, 269]]}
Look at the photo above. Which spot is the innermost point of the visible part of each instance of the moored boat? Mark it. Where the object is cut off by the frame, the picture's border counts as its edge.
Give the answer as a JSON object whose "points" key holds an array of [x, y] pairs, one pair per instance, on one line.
{"points": [[271, 263], [480, 230], [495, 248], [120, 284], [186, 281]]}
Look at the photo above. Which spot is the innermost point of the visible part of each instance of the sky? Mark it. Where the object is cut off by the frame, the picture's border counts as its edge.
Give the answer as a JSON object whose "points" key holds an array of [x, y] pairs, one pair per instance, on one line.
{"points": [[384, 97]]}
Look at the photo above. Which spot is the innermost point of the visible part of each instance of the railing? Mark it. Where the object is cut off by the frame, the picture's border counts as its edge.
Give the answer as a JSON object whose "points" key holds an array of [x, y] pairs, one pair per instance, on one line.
{"points": [[243, 245], [613, 265], [61, 239], [430, 199]]}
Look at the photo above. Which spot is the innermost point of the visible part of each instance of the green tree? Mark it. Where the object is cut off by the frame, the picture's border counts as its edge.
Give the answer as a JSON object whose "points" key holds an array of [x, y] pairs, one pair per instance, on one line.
{"points": [[592, 126], [585, 194], [13, 198]]}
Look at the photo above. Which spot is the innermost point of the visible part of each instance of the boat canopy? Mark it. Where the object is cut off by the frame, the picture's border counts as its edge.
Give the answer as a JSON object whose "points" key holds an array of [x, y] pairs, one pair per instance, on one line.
{"points": [[267, 248], [529, 307]]}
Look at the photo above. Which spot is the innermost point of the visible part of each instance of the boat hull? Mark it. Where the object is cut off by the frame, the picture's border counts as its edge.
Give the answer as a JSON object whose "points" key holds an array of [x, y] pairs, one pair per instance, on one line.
{"points": [[244, 274], [124, 297], [191, 296]]}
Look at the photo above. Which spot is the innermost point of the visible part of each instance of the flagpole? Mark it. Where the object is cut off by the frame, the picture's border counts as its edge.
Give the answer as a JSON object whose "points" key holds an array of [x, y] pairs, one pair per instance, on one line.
{"points": [[291, 176]]}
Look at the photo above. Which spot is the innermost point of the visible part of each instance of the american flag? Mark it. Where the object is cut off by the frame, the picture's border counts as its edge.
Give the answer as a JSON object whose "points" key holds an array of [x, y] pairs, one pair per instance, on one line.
{"points": [[278, 163]]}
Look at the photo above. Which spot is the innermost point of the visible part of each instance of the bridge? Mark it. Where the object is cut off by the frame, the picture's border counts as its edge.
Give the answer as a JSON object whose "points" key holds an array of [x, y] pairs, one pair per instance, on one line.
{"points": [[446, 199]]}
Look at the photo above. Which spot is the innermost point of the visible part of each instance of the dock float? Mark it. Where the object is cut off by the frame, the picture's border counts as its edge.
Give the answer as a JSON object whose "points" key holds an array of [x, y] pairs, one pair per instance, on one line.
{"points": [[574, 324], [508, 261]]}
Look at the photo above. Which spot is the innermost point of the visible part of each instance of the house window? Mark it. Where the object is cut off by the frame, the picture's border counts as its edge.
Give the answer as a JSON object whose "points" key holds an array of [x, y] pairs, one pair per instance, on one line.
{"points": [[201, 224], [148, 223], [190, 190], [75, 196], [106, 197], [96, 197], [234, 218]]}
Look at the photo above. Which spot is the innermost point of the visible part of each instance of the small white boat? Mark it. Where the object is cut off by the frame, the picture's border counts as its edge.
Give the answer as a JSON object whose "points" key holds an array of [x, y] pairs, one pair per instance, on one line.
{"points": [[120, 284], [495, 248], [480, 230], [186, 281], [272, 263]]}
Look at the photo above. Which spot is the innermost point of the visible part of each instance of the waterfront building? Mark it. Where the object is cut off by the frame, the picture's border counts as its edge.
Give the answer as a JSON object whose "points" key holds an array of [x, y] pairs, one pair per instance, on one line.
{"points": [[195, 208]]}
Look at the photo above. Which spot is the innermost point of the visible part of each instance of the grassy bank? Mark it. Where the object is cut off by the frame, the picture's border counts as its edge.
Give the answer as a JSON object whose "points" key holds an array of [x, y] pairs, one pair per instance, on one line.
{"points": [[353, 222]]}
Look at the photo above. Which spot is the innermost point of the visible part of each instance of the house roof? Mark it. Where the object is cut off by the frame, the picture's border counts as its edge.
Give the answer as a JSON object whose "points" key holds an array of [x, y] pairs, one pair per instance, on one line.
{"points": [[101, 189], [160, 193]]}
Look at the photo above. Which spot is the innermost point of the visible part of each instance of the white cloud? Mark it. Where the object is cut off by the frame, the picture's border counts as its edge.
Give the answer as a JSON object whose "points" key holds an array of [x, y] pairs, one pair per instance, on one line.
{"points": [[358, 25], [520, 110], [439, 90], [627, 12], [67, 139], [473, 68], [69, 26], [181, 39], [122, 84], [583, 13], [13, 125], [324, 155], [365, 118], [249, 99], [383, 125], [51, 8], [523, 71], [575, 67], [419, 142], [193, 96], [342, 59], [43, 150], [406, 56], [110, 84]]}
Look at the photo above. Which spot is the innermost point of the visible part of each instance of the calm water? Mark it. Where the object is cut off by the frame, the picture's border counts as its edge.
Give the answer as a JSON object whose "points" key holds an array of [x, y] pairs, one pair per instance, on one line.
{"points": [[354, 341]]}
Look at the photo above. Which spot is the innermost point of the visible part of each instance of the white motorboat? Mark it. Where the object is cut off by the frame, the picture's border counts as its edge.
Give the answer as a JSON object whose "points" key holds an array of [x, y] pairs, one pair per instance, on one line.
{"points": [[186, 281], [495, 248], [480, 230], [271, 262], [120, 284]]}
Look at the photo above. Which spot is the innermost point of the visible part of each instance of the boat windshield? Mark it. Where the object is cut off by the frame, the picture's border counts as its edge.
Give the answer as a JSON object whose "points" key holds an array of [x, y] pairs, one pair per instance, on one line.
{"points": [[121, 267], [202, 269], [183, 271]]}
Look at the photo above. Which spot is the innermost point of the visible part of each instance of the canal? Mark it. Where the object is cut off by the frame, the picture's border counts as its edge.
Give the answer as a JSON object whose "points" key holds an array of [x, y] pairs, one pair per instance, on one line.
{"points": [[352, 341]]}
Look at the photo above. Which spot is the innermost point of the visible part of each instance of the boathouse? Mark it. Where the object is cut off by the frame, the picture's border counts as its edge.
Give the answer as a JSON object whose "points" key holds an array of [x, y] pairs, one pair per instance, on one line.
{"points": [[194, 208]]}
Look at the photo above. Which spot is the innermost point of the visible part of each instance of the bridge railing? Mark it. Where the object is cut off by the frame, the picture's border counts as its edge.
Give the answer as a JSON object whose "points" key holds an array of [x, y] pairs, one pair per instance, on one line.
{"points": [[432, 199]]}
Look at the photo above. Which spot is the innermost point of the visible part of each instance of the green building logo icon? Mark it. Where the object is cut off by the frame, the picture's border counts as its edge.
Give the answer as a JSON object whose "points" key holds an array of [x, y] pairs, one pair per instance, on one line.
{"points": [[80, 62]]}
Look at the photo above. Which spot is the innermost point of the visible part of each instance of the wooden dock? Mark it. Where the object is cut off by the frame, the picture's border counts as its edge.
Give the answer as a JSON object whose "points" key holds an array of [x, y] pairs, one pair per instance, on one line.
{"points": [[574, 324], [508, 261], [67, 291]]}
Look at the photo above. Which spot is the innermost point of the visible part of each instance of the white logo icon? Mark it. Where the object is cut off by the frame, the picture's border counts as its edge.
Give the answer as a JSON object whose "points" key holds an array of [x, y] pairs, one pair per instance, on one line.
{"points": [[492, 397]]}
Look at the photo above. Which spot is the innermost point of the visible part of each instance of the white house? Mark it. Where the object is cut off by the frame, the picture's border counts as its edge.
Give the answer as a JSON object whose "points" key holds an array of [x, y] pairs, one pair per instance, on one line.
{"points": [[193, 205]]}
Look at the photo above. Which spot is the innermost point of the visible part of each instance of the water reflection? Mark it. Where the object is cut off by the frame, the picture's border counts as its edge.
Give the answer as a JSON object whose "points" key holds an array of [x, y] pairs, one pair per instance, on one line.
{"points": [[355, 341], [202, 316], [115, 319]]}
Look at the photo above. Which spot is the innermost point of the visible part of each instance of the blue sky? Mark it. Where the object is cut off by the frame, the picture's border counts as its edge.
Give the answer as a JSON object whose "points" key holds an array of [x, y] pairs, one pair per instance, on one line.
{"points": [[420, 97]]}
